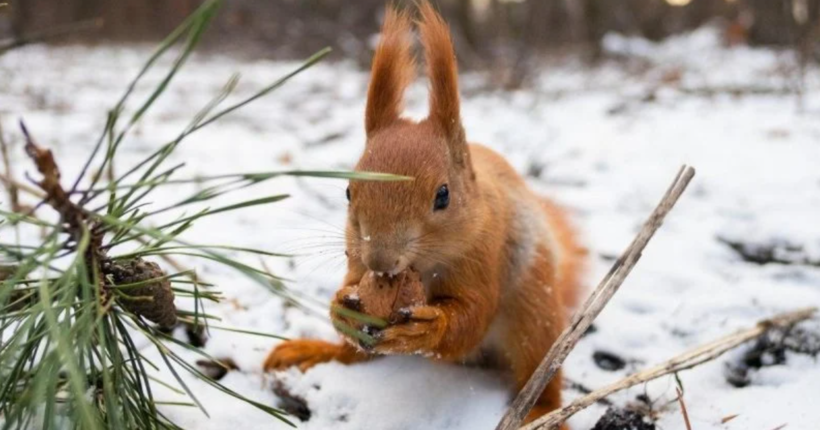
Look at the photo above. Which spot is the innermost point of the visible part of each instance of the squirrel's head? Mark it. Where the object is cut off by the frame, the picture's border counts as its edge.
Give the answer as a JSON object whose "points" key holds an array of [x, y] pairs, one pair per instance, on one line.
{"points": [[423, 222]]}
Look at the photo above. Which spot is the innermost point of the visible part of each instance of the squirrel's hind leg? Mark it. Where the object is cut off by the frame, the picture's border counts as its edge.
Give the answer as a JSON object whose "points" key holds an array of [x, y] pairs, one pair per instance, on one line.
{"points": [[531, 327], [549, 401], [524, 351], [306, 353]]}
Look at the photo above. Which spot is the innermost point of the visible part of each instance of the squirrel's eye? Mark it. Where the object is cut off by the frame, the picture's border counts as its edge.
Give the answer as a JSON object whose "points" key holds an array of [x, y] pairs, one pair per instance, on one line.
{"points": [[442, 198], [347, 193]]}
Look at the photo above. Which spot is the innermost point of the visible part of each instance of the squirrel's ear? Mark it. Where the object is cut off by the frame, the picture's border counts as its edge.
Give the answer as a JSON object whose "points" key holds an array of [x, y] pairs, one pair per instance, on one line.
{"points": [[392, 71], [443, 74]]}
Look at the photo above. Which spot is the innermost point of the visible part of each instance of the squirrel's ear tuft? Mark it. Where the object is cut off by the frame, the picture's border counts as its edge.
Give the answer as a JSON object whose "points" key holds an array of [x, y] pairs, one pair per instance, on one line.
{"points": [[392, 71], [442, 71]]}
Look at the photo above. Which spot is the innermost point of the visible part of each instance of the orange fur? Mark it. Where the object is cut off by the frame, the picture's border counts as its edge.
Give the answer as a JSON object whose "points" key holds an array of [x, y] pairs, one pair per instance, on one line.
{"points": [[499, 264], [572, 263], [306, 353], [393, 70], [442, 72]]}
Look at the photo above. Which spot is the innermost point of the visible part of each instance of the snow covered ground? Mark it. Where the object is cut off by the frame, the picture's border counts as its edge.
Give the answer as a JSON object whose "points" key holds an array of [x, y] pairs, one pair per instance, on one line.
{"points": [[605, 142]]}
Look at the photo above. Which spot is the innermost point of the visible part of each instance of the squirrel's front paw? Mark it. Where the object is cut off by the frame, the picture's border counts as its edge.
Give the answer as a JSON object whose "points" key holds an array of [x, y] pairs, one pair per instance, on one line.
{"points": [[302, 353], [421, 333], [346, 298]]}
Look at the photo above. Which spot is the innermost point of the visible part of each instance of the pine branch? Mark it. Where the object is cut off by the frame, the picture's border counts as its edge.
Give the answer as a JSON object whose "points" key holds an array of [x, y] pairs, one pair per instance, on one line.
{"points": [[68, 356], [72, 215], [55, 195]]}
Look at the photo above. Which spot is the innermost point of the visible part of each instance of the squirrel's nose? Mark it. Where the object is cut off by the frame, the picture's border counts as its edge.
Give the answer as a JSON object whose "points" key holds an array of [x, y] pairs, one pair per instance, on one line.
{"points": [[381, 261]]}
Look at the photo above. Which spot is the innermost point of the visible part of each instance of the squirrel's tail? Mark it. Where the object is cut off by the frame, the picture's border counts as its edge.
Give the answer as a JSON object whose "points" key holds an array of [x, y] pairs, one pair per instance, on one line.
{"points": [[571, 255]]}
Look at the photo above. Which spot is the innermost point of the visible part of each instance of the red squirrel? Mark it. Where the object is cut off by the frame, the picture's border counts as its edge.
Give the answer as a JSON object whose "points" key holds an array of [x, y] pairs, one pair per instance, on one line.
{"points": [[499, 263]]}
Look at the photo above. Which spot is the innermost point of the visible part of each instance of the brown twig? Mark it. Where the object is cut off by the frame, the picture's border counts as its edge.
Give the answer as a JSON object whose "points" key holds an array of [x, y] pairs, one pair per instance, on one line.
{"points": [[683, 409], [525, 400], [71, 215], [687, 360], [728, 418], [56, 196]]}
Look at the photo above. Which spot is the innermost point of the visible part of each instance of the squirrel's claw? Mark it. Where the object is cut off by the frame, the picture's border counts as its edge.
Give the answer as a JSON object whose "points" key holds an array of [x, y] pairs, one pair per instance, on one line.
{"points": [[421, 313], [351, 302], [403, 315]]}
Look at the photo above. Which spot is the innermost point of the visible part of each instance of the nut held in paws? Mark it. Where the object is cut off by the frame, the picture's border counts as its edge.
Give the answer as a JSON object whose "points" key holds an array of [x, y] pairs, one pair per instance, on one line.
{"points": [[389, 297]]}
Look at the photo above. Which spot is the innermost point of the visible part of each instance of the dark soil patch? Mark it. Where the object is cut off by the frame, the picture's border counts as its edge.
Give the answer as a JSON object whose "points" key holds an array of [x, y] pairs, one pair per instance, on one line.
{"points": [[608, 361], [770, 350], [217, 369], [771, 252], [623, 419], [292, 404]]}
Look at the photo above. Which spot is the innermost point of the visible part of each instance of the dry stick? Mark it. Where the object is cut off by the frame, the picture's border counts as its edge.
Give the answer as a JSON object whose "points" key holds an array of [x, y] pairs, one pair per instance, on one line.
{"points": [[687, 360], [728, 418], [683, 409], [525, 400]]}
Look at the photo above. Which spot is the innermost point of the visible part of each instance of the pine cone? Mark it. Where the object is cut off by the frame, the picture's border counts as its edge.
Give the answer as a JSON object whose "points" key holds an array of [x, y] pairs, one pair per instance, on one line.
{"points": [[160, 307]]}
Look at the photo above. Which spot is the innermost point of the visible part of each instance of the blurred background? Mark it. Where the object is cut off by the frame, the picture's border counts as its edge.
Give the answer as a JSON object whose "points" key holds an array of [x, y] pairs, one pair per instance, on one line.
{"points": [[597, 103], [506, 36]]}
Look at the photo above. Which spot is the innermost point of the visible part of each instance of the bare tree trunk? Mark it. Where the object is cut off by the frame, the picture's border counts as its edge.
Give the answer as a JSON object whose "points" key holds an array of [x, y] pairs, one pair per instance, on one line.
{"points": [[466, 20], [85, 9], [594, 28], [20, 18], [577, 22]]}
